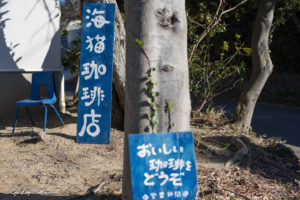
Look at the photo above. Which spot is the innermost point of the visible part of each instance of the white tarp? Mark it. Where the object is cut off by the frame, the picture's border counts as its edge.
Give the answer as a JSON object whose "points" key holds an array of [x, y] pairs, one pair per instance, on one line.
{"points": [[29, 35]]}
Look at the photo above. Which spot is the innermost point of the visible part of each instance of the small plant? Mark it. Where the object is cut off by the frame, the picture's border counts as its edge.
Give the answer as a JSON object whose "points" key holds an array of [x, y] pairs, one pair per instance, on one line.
{"points": [[285, 185], [284, 151], [252, 133], [240, 111], [168, 108], [273, 141], [232, 198], [150, 89], [236, 129], [211, 116], [153, 94], [228, 146], [71, 58]]}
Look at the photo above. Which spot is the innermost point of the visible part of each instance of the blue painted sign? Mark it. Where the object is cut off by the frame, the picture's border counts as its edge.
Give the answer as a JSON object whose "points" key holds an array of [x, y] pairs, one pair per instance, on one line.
{"points": [[163, 166], [96, 63]]}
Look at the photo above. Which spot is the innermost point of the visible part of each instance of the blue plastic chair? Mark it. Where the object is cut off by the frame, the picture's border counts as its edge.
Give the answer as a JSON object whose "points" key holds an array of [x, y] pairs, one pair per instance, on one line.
{"points": [[39, 79]]}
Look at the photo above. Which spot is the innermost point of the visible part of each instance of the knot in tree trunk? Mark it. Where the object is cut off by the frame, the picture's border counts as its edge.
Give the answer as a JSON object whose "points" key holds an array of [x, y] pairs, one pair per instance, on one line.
{"points": [[167, 18]]}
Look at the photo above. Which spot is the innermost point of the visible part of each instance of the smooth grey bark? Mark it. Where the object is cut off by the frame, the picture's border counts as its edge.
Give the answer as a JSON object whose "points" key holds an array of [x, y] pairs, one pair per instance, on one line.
{"points": [[261, 64], [119, 56], [162, 27]]}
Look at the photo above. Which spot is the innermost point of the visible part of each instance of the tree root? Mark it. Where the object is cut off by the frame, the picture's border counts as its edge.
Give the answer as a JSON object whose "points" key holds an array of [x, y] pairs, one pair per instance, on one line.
{"points": [[214, 150], [236, 157], [240, 154]]}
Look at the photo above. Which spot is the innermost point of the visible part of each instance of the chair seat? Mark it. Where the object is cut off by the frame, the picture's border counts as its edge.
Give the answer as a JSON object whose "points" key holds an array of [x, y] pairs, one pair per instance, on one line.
{"points": [[39, 79], [35, 102]]}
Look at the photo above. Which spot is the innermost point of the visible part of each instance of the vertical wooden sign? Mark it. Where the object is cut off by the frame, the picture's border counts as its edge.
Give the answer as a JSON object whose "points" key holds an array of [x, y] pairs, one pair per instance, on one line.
{"points": [[163, 166], [96, 63]]}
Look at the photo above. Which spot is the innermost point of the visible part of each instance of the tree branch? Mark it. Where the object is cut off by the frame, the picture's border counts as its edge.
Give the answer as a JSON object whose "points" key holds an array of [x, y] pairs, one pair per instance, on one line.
{"points": [[234, 7], [213, 23]]}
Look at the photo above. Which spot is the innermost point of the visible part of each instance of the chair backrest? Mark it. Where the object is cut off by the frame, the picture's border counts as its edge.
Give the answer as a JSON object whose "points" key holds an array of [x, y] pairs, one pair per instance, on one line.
{"points": [[43, 79]]}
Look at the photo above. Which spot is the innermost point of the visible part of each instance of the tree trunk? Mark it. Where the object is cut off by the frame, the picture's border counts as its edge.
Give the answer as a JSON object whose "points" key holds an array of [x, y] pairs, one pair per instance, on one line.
{"points": [[162, 28], [261, 64]]}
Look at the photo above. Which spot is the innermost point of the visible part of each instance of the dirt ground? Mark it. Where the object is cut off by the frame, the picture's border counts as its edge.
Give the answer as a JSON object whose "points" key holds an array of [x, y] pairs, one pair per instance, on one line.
{"points": [[229, 166], [57, 167]]}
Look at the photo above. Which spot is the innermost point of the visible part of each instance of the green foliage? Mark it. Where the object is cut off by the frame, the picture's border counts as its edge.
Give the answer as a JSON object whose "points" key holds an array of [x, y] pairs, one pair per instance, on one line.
{"points": [[228, 146], [252, 133], [284, 151], [280, 149], [240, 111], [71, 57], [212, 75], [285, 9], [232, 34], [216, 65], [168, 108], [152, 101], [139, 42], [273, 142], [153, 95], [150, 89], [219, 28], [285, 37]]}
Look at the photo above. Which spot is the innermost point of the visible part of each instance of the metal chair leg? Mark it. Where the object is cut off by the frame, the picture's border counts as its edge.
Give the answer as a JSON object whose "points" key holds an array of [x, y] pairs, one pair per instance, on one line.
{"points": [[16, 119], [45, 118], [57, 114], [29, 115]]}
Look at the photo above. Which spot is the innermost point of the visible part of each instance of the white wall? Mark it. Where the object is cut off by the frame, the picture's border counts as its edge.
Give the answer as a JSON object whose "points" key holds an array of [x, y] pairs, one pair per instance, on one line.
{"points": [[29, 41], [29, 35]]}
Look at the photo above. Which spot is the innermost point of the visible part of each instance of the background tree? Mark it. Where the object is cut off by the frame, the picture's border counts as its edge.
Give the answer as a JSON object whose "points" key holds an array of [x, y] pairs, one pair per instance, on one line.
{"points": [[157, 77], [211, 77], [261, 63], [215, 63]]}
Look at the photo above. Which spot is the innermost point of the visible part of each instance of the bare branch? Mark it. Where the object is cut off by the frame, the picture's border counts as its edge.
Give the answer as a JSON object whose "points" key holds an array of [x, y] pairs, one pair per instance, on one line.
{"points": [[233, 8], [213, 23], [197, 23], [226, 89]]}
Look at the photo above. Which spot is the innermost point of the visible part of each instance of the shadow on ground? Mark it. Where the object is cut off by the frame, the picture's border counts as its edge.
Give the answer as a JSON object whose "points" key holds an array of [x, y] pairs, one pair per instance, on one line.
{"points": [[73, 197], [40, 195], [52, 120], [270, 159]]}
